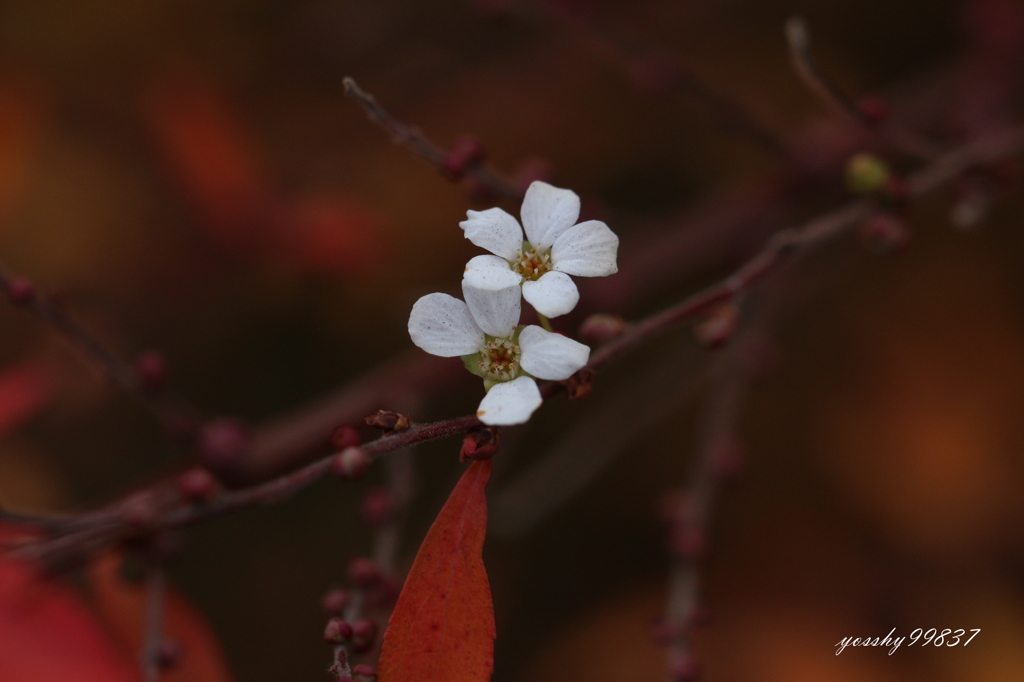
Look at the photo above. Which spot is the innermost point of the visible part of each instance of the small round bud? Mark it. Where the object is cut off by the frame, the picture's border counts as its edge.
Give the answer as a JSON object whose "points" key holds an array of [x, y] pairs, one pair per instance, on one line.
{"points": [[453, 166], [687, 541], [479, 191], [169, 655], [140, 510], [364, 572], [21, 291], [480, 444], [388, 420], [377, 506], [223, 443], [335, 602], [345, 436], [197, 484], [874, 110], [151, 370], [866, 173], [350, 464], [602, 327], [337, 631], [531, 170], [884, 233], [728, 460], [715, 330], [364, 673], [684, 669], [385, 593], [654, 74], [363, 633], [470, 148], [578, 386]]}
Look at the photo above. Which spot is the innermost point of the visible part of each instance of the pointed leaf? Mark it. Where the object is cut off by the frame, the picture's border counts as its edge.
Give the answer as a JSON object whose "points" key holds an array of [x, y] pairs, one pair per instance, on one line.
{"points": [[442, 629], [122, 607], [46, 632]]}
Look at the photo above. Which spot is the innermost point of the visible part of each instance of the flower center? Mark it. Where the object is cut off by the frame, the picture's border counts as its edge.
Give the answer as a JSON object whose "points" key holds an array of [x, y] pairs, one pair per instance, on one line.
{"points": [[499, 360], [531, 263]]}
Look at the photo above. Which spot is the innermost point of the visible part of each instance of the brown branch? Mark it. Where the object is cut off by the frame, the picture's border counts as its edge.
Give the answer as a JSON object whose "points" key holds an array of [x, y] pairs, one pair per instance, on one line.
{"points": [[828, 90], [416, 142], [113, 523], [173, 414]]}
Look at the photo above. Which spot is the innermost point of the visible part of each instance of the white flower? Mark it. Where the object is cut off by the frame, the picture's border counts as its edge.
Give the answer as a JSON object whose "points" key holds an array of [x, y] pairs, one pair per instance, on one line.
{"points": [[484, 331], [555, 248]]}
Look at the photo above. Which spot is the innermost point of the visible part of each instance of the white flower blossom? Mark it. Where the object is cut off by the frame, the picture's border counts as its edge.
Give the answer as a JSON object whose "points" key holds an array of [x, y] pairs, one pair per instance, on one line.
{"points": [[484, 330], [555, 247]]}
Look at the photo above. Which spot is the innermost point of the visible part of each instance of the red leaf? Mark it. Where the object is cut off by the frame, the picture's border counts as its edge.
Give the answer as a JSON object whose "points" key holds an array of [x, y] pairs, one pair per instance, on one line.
{"points": [[24, 389], [122, 607], [47, 634], [442, 629]]}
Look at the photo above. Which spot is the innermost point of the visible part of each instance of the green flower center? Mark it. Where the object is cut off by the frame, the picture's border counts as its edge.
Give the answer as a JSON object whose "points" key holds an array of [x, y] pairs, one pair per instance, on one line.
{"points": [[499, 360], [532, 263]]}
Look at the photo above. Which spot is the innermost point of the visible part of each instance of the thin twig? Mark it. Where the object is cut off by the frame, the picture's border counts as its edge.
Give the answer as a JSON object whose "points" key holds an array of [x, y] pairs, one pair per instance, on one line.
{"points": [[828, 90], [172, 412], [416, 142], [150, 655], [613, 41], [109, 525]]}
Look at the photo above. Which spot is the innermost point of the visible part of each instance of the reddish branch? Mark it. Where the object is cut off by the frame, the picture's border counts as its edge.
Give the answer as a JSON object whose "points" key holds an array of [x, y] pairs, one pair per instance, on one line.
{"points": [[829, 91], [161, 507], [416, 142], [174, 414]]}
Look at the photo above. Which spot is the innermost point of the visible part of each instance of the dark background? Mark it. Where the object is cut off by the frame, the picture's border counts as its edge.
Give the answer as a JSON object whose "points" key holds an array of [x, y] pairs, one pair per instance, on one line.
{"points": [[190, 177]]}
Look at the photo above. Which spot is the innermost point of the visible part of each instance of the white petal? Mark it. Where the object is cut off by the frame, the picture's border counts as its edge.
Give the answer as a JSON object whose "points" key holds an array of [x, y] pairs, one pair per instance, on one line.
{"points": [[588, 250], [490, 273], [547, 355], [552, 295], [442, 325], [495, 311], [510, 403], [548, 212], [494, 230]]}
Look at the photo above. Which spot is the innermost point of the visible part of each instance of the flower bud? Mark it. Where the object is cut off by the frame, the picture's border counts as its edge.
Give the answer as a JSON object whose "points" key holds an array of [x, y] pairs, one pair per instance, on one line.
{"points": [[684, 669], [578, 386], [345, 436], [377, 506], [728, 459], [470, 148], [363, 633], [874, 110], [223, 443], [687, 541], [335, 602], [169, 654], [363, 572], [364, 673], [602, 327], [197, 485], [21, 291], [337, 631], [151, 370], [866, 173], [529, 171], [140, 510], [350, 464], [480, 444], [884, 233], [715, 330], [388, 420]]}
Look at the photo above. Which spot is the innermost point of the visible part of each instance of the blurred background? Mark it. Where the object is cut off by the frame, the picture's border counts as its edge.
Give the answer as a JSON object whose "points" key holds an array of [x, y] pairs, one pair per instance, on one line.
{"points": [[190, 177]]}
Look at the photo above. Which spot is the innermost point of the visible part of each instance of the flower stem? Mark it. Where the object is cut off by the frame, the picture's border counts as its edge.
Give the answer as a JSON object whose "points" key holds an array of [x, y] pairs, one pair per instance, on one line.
{"points": [[544, 322]]}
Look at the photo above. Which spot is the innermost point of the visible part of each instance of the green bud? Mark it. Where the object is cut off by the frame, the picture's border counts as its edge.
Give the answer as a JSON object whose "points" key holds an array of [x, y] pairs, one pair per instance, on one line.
{"points": [[866, 173]]}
